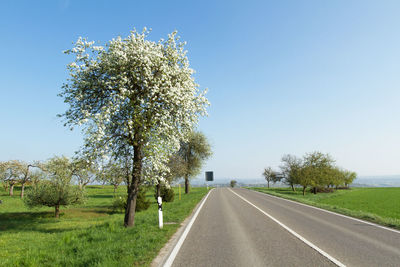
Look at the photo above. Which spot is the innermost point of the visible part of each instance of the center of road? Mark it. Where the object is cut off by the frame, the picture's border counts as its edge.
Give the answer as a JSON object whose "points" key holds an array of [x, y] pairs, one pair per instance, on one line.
{"points": [[323, 253]]}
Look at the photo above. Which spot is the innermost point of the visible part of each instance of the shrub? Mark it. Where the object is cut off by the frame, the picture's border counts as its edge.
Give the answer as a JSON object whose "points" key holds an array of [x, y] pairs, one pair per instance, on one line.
{"points": [[167, 194], [142, 203]]}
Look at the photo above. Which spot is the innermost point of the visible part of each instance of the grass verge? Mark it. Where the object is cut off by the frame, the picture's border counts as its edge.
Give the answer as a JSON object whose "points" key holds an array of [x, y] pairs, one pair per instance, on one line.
{"points": [[89, 234], [378, 205]]}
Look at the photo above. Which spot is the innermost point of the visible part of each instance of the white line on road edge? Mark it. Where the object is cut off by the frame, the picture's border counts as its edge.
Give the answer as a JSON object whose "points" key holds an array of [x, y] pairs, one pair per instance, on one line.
{"points": [[178, 245], [332, 259], [328, 211]]}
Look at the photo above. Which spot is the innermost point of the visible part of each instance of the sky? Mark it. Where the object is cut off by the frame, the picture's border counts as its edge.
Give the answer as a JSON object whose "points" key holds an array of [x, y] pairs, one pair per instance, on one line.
{"points": [[284, 77]]}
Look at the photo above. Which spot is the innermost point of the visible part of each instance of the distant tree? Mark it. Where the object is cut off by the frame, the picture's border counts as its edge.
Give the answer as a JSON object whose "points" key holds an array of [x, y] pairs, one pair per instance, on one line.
{"points": [[57, 189], [270, 175], [114, 174], [291, 170], [349, 177], [335, 177], [194, 152], [317, 169], [304, 177], [233, 183], [177, 168], [10, 173], [83, 169], [133, 96], [26, 174], [5, 175]]}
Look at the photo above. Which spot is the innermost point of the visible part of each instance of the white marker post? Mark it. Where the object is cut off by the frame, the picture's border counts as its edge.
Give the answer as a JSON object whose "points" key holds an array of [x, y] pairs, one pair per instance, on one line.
{"points": [[160, 216]]}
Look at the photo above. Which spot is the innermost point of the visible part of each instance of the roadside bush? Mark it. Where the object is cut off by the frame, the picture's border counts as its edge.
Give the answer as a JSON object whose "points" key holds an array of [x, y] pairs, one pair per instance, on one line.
{"points": [[142, 203], [322, 190], [167, 194]]}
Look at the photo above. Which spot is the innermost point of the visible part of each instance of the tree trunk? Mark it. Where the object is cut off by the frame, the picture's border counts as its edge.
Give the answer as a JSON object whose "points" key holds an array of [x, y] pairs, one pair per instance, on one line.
{"points": [[133, 188], [80, 186], [293, 189], [158, 189], [186, 185], [22, 190], [267, 183], [11, 190], [315, 190], [304, 190], [115, 188], [57, 211]]}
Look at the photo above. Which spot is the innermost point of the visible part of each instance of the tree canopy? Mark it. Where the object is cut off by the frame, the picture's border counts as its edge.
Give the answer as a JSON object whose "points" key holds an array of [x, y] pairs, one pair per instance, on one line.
{"points": [[315, 170], [56, 189], [193, 152]]}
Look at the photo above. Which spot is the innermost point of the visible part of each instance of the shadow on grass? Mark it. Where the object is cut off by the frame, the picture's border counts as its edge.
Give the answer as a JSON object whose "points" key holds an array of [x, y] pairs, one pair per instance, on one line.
{"points": [[283, 191], [101, 196], [102, 210], [35, 221], [26, 221]]}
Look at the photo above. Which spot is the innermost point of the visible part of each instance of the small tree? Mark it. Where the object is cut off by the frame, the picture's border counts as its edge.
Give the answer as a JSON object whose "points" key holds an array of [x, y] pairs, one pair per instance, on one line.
{"points": [[233, 183], [83, 170], [290, 170], [25, 174], [194, 152], [270, 175], [114, 174], [10, 173], [349, 177], [317, 168], [304, 177], [56, 190]]}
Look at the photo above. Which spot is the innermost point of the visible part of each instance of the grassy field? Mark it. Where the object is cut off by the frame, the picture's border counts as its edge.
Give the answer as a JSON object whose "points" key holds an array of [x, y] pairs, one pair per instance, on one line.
{"points": [[89, 234], [379, 205]]}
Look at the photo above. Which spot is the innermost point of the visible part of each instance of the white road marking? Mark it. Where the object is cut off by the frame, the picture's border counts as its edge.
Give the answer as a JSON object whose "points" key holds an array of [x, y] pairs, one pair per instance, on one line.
{"points": [[330, 212], [178, 245], [323, 253]]}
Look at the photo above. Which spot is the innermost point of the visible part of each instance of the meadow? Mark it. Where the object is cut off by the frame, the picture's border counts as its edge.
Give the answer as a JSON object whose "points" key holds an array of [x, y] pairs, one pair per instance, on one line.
{"points": [[378, 205], [89, 234]]}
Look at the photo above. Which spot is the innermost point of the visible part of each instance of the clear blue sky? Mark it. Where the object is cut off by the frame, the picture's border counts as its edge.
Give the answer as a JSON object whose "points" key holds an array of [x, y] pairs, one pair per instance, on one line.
{"points": [[283, 76]]}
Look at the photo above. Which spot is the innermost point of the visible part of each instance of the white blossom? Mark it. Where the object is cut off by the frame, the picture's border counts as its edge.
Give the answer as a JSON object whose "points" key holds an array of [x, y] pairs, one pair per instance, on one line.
{"points": [[133, 87]]}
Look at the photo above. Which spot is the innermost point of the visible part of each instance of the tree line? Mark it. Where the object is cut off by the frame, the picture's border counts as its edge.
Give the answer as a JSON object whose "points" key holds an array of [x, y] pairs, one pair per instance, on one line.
{"points": [[316, 171], [60, 181]]}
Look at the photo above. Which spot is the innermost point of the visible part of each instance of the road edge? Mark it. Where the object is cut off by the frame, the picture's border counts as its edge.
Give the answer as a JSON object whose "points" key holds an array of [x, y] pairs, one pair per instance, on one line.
{"points": [[166, 251]]}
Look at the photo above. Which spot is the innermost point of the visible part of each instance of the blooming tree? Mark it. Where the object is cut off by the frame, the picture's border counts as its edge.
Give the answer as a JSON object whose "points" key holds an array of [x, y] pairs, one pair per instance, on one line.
{"points": [[133, 97], [83, 171]]}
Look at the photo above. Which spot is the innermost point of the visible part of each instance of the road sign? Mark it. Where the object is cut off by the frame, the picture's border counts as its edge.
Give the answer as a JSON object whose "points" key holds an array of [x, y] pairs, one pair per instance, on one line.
{"points": [[209, 176]]}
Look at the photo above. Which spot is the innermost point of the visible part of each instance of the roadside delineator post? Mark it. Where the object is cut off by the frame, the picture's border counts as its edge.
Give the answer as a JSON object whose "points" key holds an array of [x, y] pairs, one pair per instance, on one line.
{"points": [[160, 215]]}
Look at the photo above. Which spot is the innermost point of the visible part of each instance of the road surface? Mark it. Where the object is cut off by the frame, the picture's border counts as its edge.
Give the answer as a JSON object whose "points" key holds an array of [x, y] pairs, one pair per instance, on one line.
{"points": [[240, 227]]}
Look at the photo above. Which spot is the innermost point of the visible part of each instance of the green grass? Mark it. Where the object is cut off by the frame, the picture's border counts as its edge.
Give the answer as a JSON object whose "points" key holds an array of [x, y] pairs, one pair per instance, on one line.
{"points": [[378, 205], [89, 234]]}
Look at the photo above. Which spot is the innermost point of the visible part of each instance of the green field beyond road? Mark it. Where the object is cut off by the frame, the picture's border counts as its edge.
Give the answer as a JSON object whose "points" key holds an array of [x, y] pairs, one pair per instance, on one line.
{"points": [[89, 234], [379, 205]]}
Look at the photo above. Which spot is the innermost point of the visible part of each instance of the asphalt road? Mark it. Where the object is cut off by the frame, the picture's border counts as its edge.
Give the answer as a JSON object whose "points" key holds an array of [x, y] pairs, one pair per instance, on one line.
{"points": [[235, 228]]}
